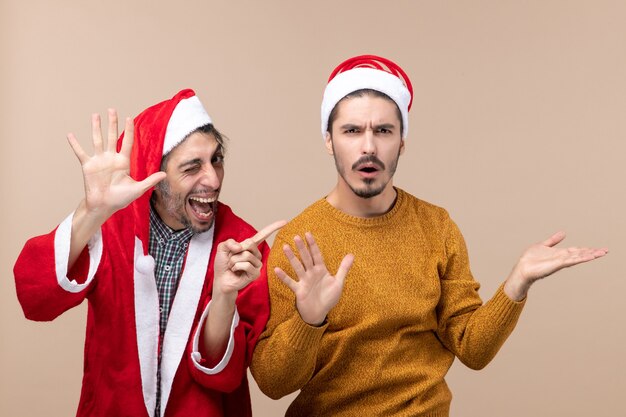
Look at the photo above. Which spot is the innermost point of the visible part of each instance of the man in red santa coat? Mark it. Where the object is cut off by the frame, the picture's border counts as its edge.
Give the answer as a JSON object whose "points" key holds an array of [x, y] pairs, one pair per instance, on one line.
{"points": [[175, 283]]}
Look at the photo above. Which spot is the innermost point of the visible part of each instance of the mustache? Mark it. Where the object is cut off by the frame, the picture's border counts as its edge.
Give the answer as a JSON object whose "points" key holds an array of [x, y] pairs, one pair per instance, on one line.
{"points": [[368, 159]]}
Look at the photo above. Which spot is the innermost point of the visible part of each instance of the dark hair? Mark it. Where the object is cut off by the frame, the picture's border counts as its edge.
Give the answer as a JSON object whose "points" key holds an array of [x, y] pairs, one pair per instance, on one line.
{"points": [[360, 93], [208, 128]]}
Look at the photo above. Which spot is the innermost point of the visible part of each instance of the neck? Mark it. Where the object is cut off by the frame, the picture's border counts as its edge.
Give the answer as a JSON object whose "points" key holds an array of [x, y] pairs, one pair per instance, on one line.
{"points": [[162, 213], [344, 199]]}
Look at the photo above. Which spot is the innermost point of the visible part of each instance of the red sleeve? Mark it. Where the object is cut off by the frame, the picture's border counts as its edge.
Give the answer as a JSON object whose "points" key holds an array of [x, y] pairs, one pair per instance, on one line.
{"points": [[253, 310], [38, 290]]}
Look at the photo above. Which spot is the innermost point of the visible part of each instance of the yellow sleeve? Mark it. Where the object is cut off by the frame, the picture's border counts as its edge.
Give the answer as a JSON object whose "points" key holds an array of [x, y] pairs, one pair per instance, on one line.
{"points": [[472, 331], [286, 352]]}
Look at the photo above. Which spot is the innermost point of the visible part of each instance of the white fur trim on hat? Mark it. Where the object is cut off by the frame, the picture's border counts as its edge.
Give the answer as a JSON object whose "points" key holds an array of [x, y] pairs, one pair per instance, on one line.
{"points": [[188, 115], [366, 78]]}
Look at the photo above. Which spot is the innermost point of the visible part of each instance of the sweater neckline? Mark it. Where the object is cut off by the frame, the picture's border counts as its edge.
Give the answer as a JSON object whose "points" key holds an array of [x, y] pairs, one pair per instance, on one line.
{"points": [[365, 221]]}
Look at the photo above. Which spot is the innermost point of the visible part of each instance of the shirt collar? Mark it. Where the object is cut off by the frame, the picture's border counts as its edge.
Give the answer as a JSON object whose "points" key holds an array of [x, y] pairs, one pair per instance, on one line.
{"points": [[164, 232]]}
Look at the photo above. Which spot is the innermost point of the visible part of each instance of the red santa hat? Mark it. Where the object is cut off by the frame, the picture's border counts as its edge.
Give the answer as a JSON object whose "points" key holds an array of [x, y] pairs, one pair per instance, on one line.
{"points": [[368, 72], [158, 129]]}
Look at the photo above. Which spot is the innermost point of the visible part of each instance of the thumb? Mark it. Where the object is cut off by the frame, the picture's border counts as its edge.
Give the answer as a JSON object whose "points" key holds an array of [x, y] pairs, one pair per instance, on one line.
{"points": [[152, 180], [344, 267]]}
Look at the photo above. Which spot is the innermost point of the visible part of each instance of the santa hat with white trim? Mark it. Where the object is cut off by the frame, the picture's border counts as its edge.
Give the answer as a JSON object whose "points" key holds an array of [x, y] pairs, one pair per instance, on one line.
{"points": [[158, 130], [368, 72]]}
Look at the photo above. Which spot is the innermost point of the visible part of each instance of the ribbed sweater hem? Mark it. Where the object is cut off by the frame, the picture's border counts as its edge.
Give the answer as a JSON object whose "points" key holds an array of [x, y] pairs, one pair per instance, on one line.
{"points": [[506, 311], [303, 336]]}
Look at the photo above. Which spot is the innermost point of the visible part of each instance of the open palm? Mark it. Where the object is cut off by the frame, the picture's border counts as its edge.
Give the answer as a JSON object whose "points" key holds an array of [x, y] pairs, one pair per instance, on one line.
{"points": [[317, 291], [108, 185]]}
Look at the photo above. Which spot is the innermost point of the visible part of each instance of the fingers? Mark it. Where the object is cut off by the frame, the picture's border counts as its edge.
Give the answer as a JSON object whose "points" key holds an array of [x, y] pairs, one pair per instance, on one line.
{"points": [[112, 134], [250, 245], [267, 231], [305, 254], [580, 255], [316, 253], [78, 150], [151, 181], [241, 261], [96, 133], [129, 137], [294, 261], [555, 239], [344, 267], [286, 279]]}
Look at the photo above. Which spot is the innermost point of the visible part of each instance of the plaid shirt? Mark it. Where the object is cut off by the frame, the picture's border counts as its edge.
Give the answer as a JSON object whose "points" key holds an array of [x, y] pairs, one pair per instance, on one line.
{"points": [[168, 248]]}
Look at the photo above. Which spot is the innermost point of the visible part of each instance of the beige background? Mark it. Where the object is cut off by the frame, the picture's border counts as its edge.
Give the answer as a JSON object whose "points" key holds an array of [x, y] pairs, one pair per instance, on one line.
{"points": [[517, 128]]}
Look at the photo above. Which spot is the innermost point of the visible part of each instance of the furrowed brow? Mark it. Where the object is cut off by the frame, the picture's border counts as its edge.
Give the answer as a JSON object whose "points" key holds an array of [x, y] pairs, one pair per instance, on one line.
{"points": [[349, 126], [388, 126]]}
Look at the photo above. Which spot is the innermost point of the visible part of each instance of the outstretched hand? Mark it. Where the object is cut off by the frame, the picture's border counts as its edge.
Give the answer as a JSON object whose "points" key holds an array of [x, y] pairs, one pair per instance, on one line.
{"points": [[316, 291], [237, 264], [543, 259], [108, 185]]}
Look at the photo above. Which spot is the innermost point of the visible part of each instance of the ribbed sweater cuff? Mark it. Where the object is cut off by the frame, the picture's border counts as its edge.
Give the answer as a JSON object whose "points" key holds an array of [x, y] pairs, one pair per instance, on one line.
{"points": [[504, 310], [301, 335]]}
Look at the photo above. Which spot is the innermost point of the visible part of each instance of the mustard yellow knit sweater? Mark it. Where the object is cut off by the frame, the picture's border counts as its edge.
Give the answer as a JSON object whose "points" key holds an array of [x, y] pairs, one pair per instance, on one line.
{"points": [[409, 306]]}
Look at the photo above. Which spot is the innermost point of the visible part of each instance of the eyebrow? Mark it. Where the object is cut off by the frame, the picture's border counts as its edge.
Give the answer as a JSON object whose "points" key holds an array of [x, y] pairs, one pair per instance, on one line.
{"points": [[195, 161], [388, 126], [348, 126], [199, 161]]}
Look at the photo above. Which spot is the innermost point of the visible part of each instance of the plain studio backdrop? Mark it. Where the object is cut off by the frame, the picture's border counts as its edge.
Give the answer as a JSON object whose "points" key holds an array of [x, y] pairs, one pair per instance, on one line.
{"points": [[518, 128]]}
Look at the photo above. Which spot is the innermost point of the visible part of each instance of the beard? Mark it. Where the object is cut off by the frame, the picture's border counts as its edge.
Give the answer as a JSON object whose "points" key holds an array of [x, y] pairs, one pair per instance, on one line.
{"points": [[174, 204], [368, 188]]}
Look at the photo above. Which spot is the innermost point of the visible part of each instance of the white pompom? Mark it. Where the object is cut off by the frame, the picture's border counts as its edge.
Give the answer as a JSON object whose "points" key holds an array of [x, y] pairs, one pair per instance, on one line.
{"points": [[145, 264]]}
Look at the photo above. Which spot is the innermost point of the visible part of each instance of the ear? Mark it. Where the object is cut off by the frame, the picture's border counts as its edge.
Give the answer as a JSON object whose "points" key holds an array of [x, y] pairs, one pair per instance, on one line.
{"points": [[328, 141], [401, 146]]}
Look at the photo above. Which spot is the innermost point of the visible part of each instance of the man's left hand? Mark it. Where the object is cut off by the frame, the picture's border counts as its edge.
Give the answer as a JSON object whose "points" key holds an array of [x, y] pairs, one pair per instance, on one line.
{"points": [[543, 259]]}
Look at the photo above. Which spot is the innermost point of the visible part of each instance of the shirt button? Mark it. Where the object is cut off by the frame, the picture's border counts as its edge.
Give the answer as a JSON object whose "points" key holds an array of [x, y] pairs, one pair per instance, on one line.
{"points": [[167, 267], [160, 309]]}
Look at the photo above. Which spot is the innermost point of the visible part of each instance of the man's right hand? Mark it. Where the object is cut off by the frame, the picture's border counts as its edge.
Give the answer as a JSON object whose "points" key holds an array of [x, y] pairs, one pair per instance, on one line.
{"points": [[316, 290], [108, 185]]}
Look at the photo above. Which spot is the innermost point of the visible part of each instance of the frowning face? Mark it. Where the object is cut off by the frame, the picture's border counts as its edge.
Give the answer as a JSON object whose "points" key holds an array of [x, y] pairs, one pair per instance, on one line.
{"points": [[365, 140]]}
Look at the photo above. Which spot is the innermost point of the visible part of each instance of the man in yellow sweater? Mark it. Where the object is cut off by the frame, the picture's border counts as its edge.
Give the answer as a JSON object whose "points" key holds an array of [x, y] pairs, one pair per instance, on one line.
{"points": [[381, 342]]}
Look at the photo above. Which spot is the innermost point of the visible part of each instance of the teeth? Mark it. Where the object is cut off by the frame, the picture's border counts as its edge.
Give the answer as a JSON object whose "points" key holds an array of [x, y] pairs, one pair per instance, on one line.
{"points": [[202, 200]]}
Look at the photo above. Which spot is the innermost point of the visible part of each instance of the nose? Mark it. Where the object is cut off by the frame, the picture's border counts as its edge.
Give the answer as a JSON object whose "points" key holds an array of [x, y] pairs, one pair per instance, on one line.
{"points": [[209, 178], [368, 144]]}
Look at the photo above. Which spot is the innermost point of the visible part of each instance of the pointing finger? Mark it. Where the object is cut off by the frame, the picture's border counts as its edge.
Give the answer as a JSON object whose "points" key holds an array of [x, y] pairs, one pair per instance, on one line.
{"points": [[267, 231]]}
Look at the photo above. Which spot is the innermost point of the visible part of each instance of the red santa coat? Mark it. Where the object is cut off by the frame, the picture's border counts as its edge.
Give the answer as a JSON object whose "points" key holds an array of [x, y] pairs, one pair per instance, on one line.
{"points": [[121, 342], [115, 274]]}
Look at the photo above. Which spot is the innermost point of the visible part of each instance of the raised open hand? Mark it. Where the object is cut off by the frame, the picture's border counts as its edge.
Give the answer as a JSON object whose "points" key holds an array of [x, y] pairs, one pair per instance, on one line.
{"points": [[316, 291], [237, 264], [543, 259], [108, 185]]}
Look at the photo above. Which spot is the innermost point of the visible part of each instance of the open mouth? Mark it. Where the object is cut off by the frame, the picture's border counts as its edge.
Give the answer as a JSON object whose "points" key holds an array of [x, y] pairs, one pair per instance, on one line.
{"points": [[368, 169], [202, 207]]}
